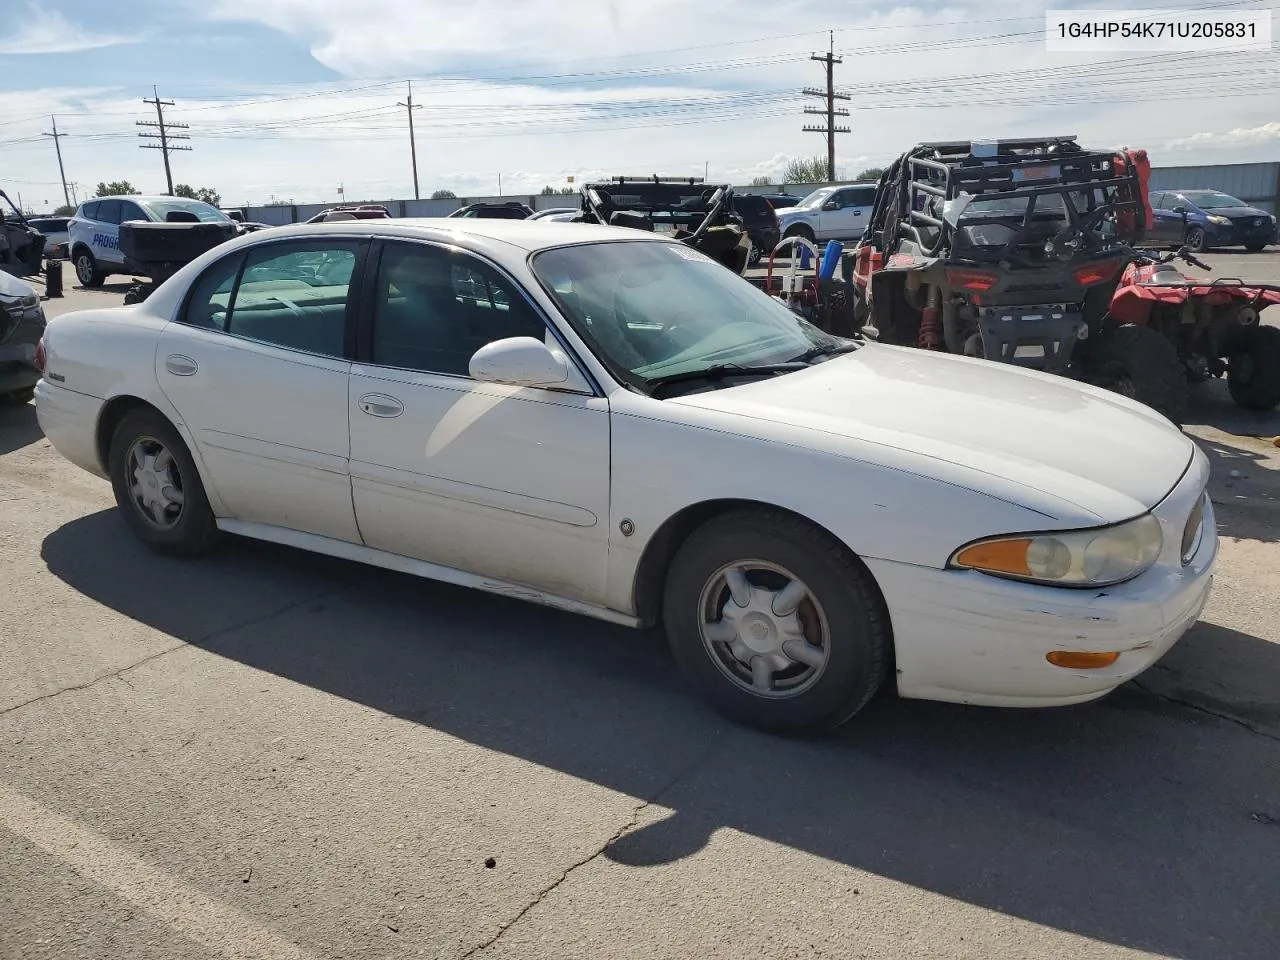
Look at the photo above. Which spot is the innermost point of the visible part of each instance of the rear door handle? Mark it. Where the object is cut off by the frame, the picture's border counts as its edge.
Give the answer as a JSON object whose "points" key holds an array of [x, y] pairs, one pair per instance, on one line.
{"points": [[380, 405], [180, 366]]}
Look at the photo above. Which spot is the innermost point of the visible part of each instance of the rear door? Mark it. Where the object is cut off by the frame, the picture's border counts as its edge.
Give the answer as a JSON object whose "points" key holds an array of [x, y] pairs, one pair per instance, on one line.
{"points": [[1166, 226], [258, 368]]}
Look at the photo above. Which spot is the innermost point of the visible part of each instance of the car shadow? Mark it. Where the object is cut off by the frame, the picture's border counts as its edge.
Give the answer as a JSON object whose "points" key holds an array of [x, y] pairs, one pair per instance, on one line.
{"points": [[18, 427], [1139, 820]]}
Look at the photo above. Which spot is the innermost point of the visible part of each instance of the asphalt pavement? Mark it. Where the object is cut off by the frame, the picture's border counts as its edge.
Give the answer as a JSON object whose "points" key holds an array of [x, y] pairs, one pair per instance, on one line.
{"points": [[270, 754]]}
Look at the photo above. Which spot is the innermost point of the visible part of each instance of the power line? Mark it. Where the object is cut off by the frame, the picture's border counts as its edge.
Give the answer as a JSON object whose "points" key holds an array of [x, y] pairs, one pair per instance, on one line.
{"points": [[57, 137], [828, 60], [164, 135]]}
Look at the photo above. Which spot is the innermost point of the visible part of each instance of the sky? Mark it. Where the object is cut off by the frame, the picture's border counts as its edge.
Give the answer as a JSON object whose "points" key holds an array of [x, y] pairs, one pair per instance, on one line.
{"points": [[292, 99]]}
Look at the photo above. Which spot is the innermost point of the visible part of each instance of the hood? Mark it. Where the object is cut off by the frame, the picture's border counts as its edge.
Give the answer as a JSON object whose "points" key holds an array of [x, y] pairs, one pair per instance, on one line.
{"points": [[1072, 452], [1234, 212], [11, 286]]}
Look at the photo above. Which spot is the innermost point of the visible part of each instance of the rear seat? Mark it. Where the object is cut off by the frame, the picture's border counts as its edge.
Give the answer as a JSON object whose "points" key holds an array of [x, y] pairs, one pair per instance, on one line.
{"points": [[315, 327]]}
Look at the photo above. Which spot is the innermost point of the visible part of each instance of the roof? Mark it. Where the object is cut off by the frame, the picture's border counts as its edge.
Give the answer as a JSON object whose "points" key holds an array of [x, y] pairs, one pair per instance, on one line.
{"points": [[136, 198], [527, 235]]}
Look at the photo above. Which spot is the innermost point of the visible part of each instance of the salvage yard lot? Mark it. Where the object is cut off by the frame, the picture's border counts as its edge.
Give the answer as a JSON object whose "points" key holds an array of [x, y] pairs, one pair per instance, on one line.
{"points": [[275, 754]]}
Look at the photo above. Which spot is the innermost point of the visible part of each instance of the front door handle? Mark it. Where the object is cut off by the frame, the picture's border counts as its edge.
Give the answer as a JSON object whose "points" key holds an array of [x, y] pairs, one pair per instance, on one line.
{"points": [[180, 366], [380, 405]]}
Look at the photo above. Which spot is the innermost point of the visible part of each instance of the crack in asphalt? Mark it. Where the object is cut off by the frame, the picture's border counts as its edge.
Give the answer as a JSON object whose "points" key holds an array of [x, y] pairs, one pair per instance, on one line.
{"points": [[618, 834], [1208, 711], [181, 644]]}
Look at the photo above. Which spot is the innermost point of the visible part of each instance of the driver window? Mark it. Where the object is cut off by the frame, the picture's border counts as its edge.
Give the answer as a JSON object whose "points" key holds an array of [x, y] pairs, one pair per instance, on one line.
{"points": [[434, 309]]}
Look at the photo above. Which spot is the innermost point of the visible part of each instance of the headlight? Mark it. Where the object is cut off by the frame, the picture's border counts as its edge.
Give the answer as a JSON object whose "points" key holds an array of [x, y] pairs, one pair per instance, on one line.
{"points": [[1220, 221], [1070, 558]]}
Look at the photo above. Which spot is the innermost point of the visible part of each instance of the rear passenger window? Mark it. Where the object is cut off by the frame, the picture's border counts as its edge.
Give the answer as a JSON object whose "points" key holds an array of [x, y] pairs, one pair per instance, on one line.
{"points": [[293, 295], [109, 211]]}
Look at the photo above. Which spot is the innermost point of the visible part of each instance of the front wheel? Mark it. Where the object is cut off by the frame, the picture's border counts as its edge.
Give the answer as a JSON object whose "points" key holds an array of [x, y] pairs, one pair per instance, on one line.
{"points": [[157, 487], [1195, 240], [1141, 364], [776, 624], [802, 231], [1253, 367], [87, 270]]}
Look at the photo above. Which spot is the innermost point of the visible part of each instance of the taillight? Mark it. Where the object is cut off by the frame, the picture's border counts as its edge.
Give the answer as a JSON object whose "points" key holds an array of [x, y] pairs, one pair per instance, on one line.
{"points": [[40, 355], [1099, 272], [971, 279]]}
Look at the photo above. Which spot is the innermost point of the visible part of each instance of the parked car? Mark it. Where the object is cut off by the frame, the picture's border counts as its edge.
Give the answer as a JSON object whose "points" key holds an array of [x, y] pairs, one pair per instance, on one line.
{"points": [[22, 324], [94, 231], [55, 235], [505, 210], [830, 213], [761, 223], [352, 211], [556, 214], [608, 422], [781, 201], [1212, 219]]}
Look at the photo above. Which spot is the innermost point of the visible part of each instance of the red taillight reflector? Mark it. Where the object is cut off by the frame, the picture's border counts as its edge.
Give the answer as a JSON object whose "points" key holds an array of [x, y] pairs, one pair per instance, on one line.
{"points": [[1099, 272], [40, 355], [971, 279]]}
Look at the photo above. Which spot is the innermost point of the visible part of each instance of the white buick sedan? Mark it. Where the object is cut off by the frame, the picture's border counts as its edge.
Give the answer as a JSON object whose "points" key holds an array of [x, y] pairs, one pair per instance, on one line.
{"points": [[608, 422]]}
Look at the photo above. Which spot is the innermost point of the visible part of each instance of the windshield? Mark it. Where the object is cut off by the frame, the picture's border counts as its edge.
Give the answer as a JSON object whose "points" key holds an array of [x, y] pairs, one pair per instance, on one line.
{"points": [[815, 198], [651, 310], [1209, 199], [160, 209]]}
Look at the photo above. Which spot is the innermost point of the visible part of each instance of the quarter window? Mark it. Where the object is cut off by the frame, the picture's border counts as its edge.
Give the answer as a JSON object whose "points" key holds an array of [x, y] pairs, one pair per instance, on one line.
{"points": [[434, 309]]}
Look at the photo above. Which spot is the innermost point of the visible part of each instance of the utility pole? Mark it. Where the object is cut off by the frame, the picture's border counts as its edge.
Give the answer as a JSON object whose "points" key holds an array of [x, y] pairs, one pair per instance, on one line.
{"points": [[66, 194], [164, 135], [410, 106], [828, 60]]}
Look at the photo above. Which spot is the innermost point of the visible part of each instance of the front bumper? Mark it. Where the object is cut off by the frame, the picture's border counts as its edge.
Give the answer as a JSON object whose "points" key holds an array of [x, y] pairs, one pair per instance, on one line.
{"points": [[966, 637], [1240, 235]]}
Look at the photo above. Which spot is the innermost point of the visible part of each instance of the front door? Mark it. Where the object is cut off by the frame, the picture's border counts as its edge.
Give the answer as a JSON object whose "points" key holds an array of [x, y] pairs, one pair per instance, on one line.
{"points": [[257, 369], [845, 213], [504, 482]]}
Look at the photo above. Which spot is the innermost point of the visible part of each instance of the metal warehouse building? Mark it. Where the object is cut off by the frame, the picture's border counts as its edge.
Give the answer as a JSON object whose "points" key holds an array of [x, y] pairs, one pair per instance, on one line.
{"points": [[1254, 183]]}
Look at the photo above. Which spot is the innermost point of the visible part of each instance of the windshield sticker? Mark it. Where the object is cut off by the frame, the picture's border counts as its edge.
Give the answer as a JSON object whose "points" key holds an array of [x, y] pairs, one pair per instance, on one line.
{"points": [[689, 253]]}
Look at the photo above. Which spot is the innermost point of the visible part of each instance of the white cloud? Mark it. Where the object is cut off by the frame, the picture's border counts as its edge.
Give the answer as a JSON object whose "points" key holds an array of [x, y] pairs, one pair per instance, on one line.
{"points": [[38, 30], [1239, 137]]}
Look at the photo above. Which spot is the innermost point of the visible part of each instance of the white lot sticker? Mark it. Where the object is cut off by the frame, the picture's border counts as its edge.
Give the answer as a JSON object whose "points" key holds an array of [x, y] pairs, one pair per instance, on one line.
{"points": [[1156, 31], [682, 250]]}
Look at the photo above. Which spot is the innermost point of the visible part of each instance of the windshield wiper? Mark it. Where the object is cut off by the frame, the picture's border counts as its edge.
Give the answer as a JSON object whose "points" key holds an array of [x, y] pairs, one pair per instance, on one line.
{"points": [[723, 371], [829, 350]]}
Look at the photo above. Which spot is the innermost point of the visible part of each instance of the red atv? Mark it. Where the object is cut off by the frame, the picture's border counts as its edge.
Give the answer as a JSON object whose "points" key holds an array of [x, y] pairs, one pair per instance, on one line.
{"points": [[1214, 325]]}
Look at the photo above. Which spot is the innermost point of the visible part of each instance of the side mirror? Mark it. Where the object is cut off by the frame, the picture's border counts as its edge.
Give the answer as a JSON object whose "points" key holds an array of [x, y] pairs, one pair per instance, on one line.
{"points": [[1181, 210], [831, 205], [520, 362]]}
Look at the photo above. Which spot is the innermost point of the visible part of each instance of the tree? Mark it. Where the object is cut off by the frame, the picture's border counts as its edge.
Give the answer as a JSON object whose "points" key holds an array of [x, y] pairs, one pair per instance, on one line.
{"points": [[444, 195], [565, 191], [761, 182], [207, 194], [116, 188], [813, 170], [871, 173], [64, 211], [547, 191]]}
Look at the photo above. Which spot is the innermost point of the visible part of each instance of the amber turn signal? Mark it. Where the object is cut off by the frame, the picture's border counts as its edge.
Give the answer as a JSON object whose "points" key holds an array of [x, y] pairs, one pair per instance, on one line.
{"points": [[1081, 660]]}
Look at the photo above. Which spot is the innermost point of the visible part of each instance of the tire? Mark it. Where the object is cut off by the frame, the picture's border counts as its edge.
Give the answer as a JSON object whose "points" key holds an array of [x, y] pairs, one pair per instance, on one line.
{"points": [[800, 230], [1255, 247], [1253, 367], [190, 529], [87, 270], [842, 610], [1141, 364], [16, 398], [754, 257], [1195, 240]]}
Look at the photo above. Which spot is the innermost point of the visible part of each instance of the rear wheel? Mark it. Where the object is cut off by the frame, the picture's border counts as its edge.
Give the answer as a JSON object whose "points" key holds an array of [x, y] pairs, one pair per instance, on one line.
{"points": [[16, 398], [1139, 363], [87, 270], [157, 488], [1253, 367], [776, 624], [1255, 247]]}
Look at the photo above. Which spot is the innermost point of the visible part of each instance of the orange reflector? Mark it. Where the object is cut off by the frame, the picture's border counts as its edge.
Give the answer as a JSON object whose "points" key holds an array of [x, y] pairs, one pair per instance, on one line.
{"points": [[971, 279], [1081, 660], [1092, 273], [1004, 556]]}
